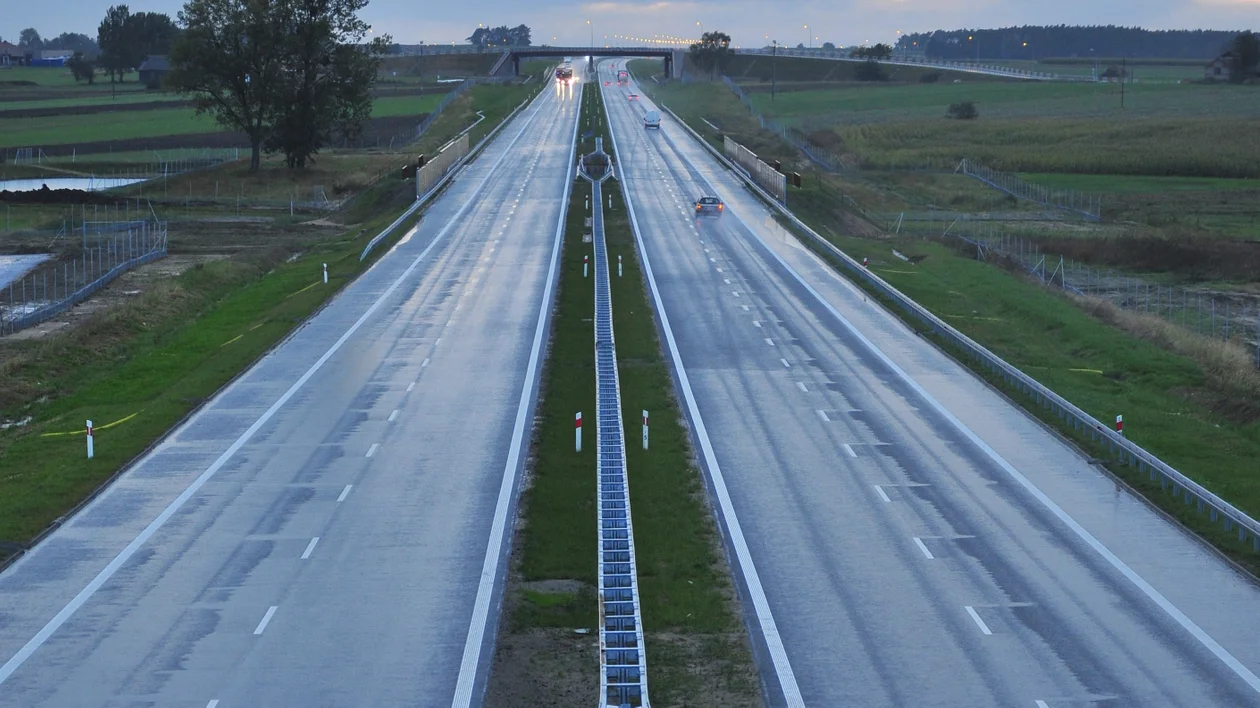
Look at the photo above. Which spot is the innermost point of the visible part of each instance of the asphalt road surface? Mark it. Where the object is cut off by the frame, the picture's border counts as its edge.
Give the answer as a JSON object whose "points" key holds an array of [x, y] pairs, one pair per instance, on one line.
{"points": [[903, 535], [330, 530]]}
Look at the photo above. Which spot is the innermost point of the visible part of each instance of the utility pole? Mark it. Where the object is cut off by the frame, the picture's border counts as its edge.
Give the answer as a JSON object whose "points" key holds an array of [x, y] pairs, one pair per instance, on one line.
{"points": [[1124, 71], [774, 55]]}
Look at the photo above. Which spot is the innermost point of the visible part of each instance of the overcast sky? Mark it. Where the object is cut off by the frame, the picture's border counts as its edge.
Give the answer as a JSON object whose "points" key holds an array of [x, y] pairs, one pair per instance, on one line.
{"points": [[749, 22]]}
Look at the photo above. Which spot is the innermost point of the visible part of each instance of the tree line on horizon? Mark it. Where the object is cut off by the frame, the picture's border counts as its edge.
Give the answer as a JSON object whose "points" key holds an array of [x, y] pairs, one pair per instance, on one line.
{"points": [[1065, 41]]}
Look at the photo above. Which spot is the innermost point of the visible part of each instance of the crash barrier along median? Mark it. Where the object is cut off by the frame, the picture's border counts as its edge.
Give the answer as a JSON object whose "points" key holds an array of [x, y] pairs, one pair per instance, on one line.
{"points": [[766, 177], [1120, 448]]}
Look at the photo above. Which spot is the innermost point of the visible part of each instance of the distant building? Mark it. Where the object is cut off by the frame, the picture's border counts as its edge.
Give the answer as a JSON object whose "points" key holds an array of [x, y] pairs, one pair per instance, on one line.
{"points": [[154, 70], [54, 54], [11, 54], [1220, 68]]}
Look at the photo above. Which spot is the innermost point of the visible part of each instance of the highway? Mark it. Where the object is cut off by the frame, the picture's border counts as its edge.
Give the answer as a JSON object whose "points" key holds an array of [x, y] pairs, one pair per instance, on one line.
{"points": [[902, 535], [332, 528]]}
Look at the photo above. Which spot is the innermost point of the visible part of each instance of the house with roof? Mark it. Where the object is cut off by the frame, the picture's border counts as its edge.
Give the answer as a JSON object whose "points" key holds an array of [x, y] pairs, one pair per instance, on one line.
{"points": [[11, 54], [153, 71], [1220, 68]]}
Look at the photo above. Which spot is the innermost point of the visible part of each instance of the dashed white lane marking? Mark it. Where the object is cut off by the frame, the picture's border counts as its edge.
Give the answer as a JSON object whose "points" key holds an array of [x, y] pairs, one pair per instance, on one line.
{"points": [[424, 363], [720, 270], [213, 704], [309, 548], [1042, 704], [823, 414], [437, 341], [801, 386], [849, 450], [726, 280], [919, 542], [746, 309], [757, 324], [393, 416], [785, 363], [882, 494], [411, 387], [372, 450], [769, 341], [271, 611], [344, 493], [979, 622], [735, 293]]}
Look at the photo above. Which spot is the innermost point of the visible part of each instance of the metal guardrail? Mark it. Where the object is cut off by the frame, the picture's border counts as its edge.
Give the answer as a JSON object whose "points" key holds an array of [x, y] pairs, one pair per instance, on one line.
{"points": [[622, 661], [446, 177], [1122, 449]]}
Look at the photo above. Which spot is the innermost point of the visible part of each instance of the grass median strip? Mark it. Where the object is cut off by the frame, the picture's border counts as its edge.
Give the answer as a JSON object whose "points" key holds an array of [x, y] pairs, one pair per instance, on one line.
{"points": [[697, 651]]}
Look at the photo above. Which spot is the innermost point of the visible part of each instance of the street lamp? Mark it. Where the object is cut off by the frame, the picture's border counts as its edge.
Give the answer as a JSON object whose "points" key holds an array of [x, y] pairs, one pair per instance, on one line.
{"points": [[701, 26], [809, 38], [774, 69]]}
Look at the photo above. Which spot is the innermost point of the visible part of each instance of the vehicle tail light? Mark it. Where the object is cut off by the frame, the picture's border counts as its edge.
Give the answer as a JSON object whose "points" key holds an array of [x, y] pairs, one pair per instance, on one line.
{"points": [[721, 207]]}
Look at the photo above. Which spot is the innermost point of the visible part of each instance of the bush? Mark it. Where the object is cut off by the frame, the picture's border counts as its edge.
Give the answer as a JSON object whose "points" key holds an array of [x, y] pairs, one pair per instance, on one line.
{"points": [[930, 78], [869, 70], [966, 110]]}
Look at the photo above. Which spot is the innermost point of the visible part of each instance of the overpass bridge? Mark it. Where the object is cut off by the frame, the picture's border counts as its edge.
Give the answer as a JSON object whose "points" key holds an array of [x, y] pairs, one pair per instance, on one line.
{"points": [[512, 56]]}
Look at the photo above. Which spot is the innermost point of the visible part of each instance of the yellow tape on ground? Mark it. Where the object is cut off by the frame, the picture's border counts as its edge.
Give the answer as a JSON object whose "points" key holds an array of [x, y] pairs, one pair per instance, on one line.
{"points": [[1087, 371], [233, 339], [94, 428], [317, 282], [903, 272]]}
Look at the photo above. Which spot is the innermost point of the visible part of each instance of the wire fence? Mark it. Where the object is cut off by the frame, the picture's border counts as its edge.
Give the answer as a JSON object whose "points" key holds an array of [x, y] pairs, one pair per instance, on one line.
{"points": [[1087, 205], [151, 164], [109, 250], [1228, 316], [793, 137]]}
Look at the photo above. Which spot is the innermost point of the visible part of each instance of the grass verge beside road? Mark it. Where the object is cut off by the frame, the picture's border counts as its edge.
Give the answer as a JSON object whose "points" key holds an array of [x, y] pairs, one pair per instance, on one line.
{"points": [[697, 653], [146, 364]]}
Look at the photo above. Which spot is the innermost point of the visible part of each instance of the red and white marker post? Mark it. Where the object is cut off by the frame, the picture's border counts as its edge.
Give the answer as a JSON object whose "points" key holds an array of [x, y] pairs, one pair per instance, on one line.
{"points": [[577, 432], [645, 430], [618, 266], [91, 451], [866, 263], [586, 262], [1120, 424]]}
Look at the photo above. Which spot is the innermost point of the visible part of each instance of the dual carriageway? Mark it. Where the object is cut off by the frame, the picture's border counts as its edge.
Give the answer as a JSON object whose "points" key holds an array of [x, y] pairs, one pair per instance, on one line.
{"points": [[333, 528]]}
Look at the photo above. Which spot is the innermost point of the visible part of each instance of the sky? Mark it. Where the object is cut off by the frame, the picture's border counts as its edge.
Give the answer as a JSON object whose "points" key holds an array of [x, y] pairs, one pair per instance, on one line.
{"points": [[749, 22]]}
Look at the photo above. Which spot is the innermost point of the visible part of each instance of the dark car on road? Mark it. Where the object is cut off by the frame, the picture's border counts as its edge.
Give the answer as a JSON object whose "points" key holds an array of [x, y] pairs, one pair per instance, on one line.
{"points": [[709, 205]]}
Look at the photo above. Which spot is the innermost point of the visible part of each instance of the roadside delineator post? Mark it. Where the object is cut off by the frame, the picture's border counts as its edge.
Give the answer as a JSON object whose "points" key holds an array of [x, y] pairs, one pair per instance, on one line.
{"points": [[90, 449], [866, 263], [610, 201], [577, 432], [1120, 424], [618, 266], [325, 274], [586, 263], [645, 430]]}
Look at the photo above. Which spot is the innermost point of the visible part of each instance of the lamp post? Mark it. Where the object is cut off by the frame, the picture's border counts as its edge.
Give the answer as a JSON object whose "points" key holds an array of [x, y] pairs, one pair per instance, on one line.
{"points": [[774, 55], [701, 26], [808, 37]]}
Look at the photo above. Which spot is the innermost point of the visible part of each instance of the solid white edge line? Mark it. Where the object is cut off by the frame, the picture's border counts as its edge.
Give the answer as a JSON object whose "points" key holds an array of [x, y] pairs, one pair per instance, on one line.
{"points": [[310, 547], [849, 449], [923, 547], [344, 493], [1112, 559], [882, 494], [262, 626], [979, 622], [127, 552], [761, 605], [372, 450], [466, 680]]}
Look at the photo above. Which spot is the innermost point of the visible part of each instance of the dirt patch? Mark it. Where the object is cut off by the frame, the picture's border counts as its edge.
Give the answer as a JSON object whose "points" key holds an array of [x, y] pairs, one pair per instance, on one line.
{"points": [[126, 287], [545, 667], [555, 587]]}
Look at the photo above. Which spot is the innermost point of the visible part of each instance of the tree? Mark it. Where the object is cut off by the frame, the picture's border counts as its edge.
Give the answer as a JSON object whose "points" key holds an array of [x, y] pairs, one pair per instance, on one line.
{"points": [[81, 68], [29, 40], [328, 78], [712, 53], [502, 36], [74, 42], [869, 70], [149, 34], [1246, 50], [114, 41], [829, 46], [230, 59], [287, 73]]}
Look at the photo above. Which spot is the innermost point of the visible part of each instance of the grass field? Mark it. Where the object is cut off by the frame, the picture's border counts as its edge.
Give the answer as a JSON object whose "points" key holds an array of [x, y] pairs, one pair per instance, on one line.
{"points": [[695, 645]]}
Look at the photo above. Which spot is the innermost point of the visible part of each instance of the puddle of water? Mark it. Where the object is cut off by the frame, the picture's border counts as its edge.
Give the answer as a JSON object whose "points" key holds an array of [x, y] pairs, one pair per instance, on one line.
{"points": [[87, 184], [14, 267]]}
